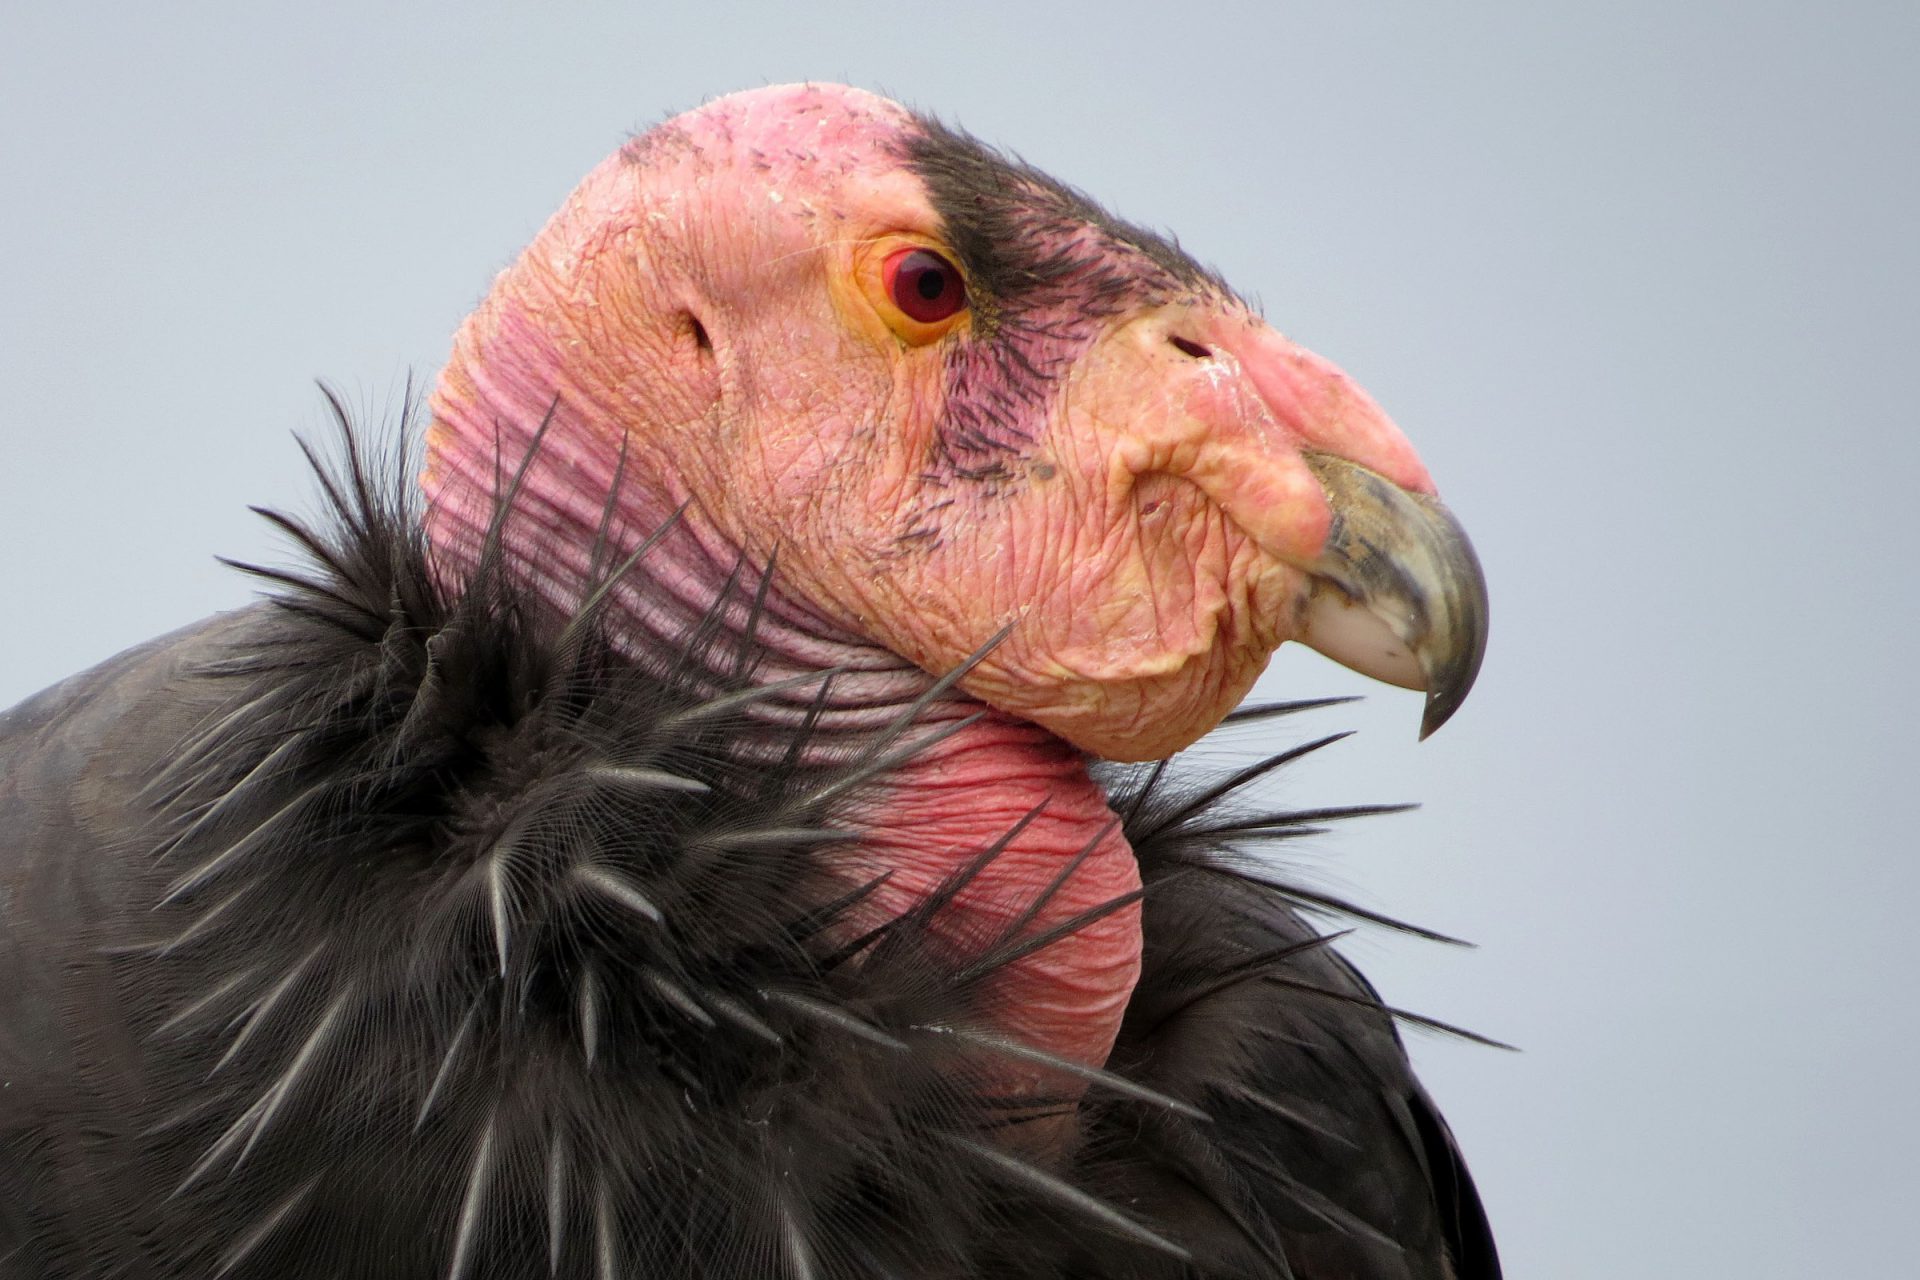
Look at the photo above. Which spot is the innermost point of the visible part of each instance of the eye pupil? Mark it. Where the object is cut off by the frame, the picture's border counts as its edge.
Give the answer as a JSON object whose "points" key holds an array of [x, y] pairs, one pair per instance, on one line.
{"points": [[925, 285]]}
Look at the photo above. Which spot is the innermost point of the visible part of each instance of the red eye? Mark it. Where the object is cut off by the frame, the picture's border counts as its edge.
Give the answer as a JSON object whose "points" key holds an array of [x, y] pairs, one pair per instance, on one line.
{"points": [[924, 285]]}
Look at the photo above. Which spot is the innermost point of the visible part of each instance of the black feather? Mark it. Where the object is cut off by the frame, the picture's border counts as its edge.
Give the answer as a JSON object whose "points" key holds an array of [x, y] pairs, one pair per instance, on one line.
{"points": [[395, 930]]}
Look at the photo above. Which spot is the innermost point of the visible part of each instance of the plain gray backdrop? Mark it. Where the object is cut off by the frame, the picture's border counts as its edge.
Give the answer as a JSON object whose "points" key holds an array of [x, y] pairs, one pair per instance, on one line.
{"points": [[1639, 279]]}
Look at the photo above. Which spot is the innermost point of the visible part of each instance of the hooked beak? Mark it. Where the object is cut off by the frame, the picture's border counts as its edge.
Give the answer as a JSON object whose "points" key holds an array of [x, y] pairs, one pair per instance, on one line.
{"points": [[1394, 590], [1397, 594]]}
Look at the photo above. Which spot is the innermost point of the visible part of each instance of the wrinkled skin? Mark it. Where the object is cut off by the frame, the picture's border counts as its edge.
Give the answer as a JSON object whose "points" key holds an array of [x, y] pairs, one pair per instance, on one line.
{"points": [[1144, 516], [1103, 454]]}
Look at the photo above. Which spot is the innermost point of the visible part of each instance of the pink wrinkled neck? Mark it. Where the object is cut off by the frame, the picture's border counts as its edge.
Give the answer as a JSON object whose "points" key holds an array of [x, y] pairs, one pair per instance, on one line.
{"points": [[933, 814]]}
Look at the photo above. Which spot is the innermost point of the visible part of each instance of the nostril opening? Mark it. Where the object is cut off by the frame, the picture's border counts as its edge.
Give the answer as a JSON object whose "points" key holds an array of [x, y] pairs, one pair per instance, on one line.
{"points": [[1193, 349], [700, 338]]}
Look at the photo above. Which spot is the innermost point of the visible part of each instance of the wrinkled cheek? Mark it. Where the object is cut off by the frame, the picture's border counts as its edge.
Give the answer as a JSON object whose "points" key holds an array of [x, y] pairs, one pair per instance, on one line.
{"points": [[1141, 617], [1154, 598]]}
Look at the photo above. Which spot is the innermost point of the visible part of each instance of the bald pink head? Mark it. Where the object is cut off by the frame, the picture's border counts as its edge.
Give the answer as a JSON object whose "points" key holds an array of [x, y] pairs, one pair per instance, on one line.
{"points": [[1103, 448]]}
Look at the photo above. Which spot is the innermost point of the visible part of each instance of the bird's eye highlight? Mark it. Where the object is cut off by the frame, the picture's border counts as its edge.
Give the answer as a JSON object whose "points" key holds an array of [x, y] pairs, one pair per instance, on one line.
{"points": [[924, 285]]}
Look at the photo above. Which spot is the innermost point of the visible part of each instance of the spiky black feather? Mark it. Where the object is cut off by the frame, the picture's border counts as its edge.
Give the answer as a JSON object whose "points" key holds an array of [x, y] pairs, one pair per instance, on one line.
{"points": [[390, 930]]}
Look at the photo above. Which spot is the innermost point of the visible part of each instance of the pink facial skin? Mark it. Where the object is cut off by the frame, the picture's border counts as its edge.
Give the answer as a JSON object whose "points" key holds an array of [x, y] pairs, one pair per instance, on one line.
{"points": [[1105, 452]]}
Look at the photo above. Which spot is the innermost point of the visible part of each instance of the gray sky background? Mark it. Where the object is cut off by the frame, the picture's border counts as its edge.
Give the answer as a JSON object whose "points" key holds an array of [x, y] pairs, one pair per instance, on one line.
{"points": [[1639, 279]]}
